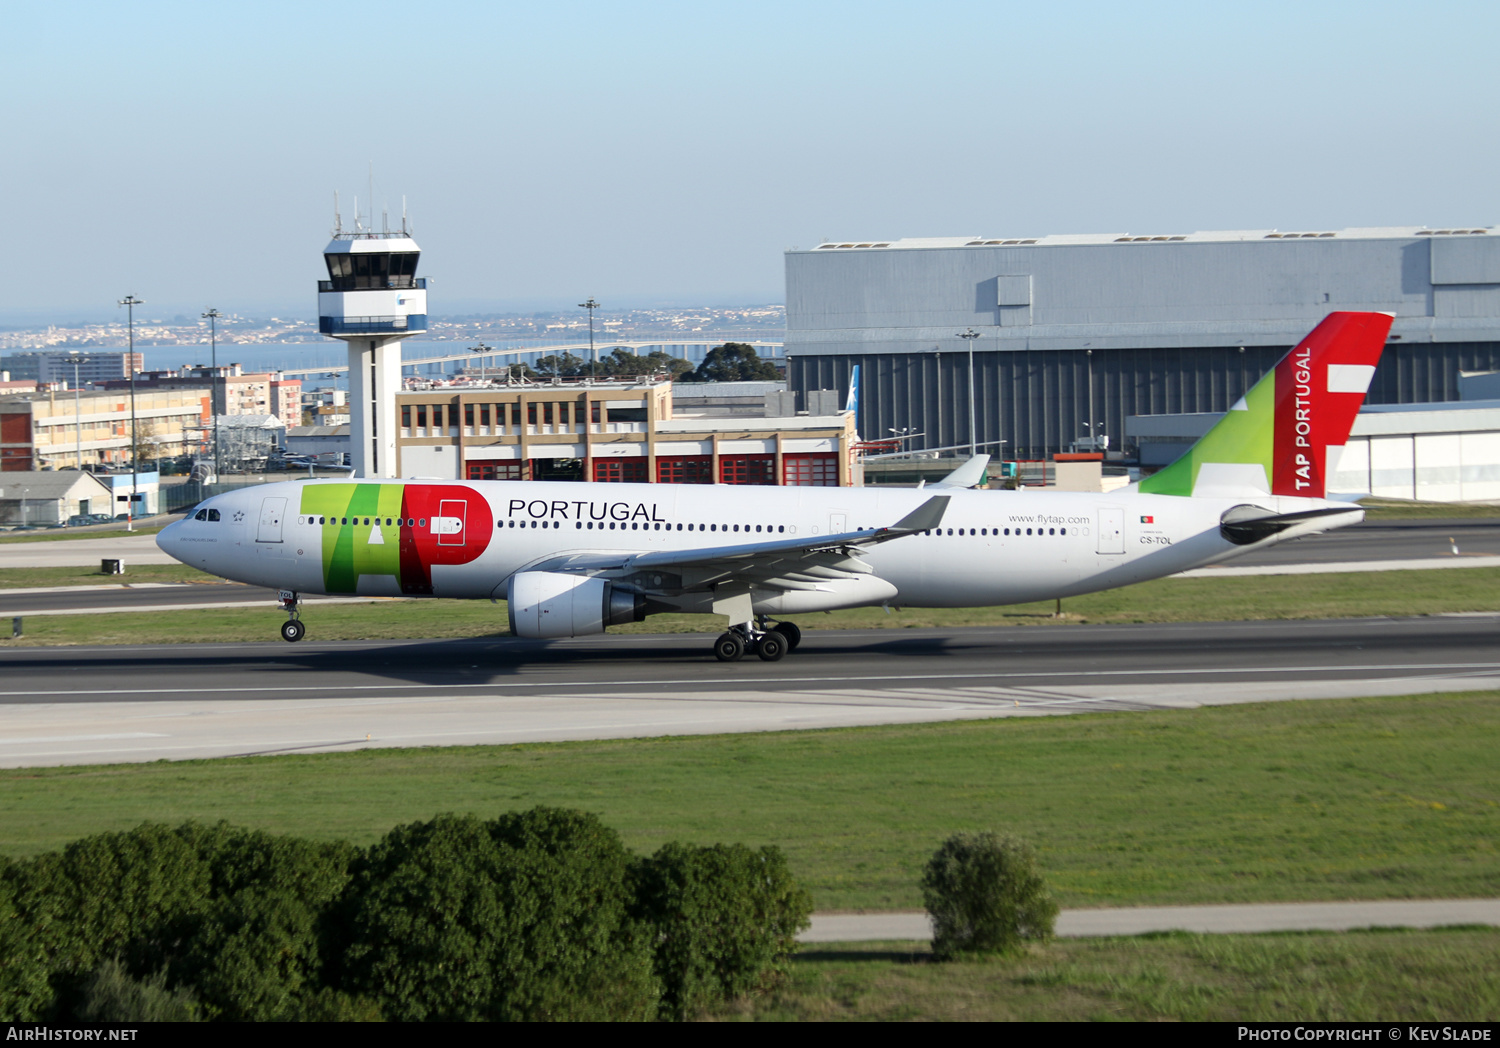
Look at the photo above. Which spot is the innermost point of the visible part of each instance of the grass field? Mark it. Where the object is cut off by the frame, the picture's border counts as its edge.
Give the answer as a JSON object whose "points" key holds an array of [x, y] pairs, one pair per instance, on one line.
{"points": [[1367, 976], [1377, 510], [13, 578], [1336, 799], [1353, 595]]}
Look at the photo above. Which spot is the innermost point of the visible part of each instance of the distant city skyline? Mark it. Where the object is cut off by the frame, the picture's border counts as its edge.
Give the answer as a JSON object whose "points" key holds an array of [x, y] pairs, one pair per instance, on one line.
{"points": [[669, 154]]}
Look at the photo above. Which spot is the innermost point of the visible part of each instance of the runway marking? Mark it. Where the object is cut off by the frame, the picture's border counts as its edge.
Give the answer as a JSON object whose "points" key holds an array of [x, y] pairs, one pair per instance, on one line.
{"points": [[1428, 669], [26, 740]]}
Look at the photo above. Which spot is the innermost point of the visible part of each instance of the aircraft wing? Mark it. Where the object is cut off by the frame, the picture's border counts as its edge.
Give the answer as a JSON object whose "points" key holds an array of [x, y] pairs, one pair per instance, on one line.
{"points": [[796, 563], [969, 475]]}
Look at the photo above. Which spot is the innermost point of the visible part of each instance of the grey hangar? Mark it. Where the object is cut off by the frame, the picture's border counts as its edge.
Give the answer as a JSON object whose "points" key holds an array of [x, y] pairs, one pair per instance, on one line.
{"points": [[1076, 333]]}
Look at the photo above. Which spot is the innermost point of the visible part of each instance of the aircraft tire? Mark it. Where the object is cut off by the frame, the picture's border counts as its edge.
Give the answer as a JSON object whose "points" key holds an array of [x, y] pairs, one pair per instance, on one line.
{"points": [[773, 646], [792, 634], [292, 631], [730, 647]]}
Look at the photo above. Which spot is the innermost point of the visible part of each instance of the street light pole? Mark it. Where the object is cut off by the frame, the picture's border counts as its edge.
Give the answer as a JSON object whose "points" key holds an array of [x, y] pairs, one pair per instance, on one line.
{"points": [[78, 413], [130, 302], [969, 336], [591, 305], [481, 349], [1089, 357], [213, 394]]}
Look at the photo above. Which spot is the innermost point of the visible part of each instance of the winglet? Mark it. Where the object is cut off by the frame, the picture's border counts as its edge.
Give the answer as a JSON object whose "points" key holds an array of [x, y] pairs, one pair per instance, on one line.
{"points": [[970, 474], [924, 518]]}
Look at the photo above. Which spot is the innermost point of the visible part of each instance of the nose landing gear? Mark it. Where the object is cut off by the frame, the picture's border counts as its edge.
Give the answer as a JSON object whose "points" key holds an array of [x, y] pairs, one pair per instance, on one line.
{"points": [[292, 629]]}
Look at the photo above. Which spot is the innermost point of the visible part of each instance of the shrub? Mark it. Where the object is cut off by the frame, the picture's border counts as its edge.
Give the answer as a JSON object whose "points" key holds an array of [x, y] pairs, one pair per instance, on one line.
{"points": [[25, 993], [520, 918], [227, 912], [112, 996], [985, 895], [111, 896], [725, 919], [254, 951]]}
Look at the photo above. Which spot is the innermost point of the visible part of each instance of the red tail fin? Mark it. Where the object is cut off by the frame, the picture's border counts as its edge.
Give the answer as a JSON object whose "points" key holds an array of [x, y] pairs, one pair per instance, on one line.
{"points": [[1320, 386]]}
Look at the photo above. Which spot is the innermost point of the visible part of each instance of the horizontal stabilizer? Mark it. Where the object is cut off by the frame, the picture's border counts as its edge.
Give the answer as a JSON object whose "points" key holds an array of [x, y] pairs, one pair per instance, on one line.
{"points": [[1247, 525]]}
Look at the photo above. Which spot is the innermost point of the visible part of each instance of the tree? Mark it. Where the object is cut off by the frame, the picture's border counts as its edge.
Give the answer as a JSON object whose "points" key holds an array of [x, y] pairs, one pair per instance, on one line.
{"points": [[985, 895], [725, 918], [561, 365], [523, 917], [25, 992], [734, 362]]}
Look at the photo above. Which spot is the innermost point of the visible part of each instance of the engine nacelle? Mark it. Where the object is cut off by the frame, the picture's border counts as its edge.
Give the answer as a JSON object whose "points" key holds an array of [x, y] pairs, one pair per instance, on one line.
{"points": [[546, 604]]}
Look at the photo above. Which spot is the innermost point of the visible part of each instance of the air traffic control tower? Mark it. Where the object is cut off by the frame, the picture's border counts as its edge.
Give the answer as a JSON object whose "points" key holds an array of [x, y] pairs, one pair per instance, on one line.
{"points": [[372, 299]]}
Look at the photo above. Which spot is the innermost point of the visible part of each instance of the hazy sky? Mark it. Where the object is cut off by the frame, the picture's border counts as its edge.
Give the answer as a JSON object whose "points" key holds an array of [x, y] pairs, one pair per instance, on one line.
{"points": [[670, 152]]}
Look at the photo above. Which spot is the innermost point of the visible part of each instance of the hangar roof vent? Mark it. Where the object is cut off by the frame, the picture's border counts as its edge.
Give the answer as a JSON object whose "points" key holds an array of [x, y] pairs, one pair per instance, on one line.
{"points": [[1450, 232], [1297, 236]]}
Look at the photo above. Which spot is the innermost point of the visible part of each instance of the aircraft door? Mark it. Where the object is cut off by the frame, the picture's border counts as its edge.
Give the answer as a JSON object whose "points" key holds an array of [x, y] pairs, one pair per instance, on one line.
{"points": [[1111, 529], [272, 512], [838, 523], [448, 526]]}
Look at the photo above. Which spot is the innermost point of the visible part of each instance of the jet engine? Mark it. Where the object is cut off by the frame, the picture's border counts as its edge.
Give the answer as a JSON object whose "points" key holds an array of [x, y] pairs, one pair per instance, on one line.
{"points": [[546, 604]]}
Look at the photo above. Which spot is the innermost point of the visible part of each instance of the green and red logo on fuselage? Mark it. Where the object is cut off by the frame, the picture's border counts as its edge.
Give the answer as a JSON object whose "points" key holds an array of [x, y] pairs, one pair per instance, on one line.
{"points": [[392, 535]]}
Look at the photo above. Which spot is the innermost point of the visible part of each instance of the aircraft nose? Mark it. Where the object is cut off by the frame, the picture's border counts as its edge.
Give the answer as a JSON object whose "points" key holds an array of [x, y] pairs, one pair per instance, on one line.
{"points": [[167, 539]]}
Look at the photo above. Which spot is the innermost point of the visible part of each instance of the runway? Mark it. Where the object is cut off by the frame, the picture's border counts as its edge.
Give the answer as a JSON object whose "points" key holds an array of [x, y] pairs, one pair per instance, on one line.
{"points": [[92, 705]]}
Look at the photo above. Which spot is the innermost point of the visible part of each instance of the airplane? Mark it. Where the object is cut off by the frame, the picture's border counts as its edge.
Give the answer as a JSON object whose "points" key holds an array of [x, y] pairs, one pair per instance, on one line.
{"points": [[571, 559]]}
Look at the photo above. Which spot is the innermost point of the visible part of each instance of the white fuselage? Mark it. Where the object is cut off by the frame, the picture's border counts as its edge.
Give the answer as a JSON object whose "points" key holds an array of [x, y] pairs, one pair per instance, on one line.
{"points": [[994, 547]]}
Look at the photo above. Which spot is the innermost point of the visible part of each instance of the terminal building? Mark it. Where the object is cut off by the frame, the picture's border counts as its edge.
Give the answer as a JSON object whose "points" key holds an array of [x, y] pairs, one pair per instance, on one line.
{"points": [[1056, 340], [627, 432], [79, 430]]}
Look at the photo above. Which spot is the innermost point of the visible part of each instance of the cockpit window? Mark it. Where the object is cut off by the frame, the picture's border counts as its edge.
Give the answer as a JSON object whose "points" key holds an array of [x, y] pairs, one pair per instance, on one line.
{"points": [[213, 514], [202, 514]]}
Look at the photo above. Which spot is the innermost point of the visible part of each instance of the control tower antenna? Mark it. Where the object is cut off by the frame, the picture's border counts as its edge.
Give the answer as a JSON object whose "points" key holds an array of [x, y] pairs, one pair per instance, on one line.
{"points": [[406, 229], [372, 300], [338, 223]]}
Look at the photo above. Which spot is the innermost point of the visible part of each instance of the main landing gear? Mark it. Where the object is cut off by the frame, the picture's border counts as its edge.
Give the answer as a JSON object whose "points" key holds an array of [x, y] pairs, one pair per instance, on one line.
{"points": [[769, 644], [292, 629]]}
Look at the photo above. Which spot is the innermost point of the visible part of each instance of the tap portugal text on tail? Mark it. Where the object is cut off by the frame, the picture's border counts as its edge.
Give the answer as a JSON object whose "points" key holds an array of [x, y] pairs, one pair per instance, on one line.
{"points": [[574, 558]]}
